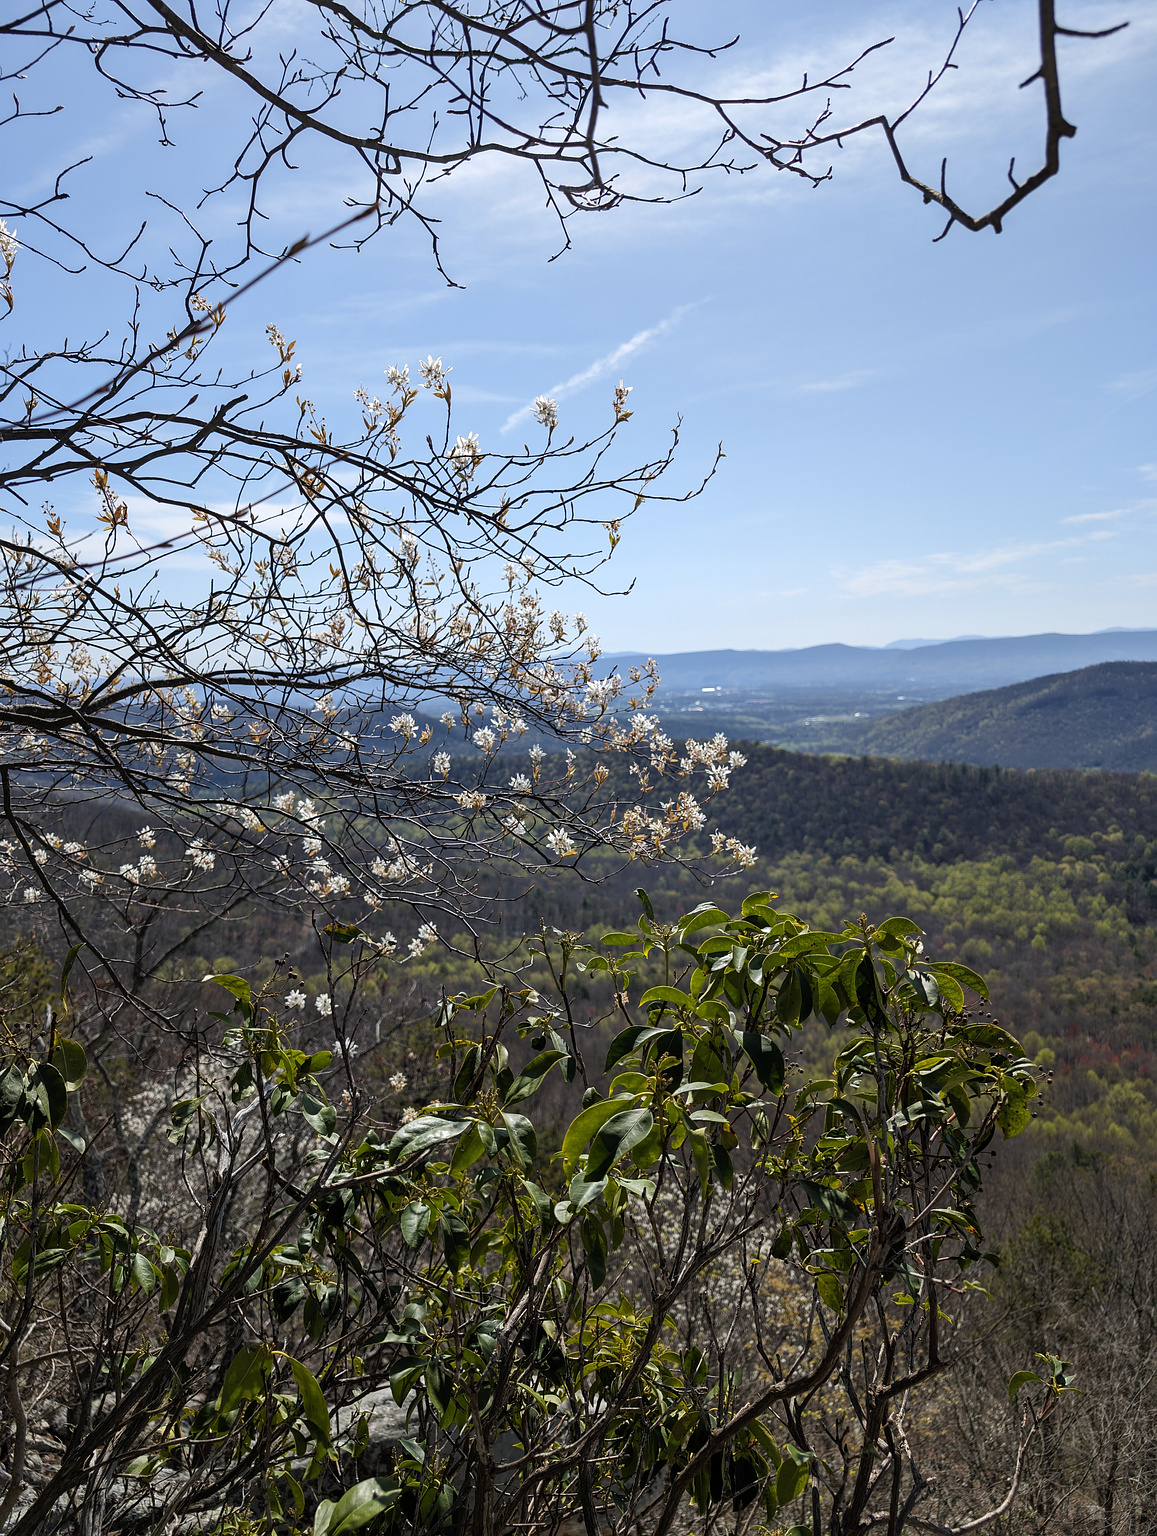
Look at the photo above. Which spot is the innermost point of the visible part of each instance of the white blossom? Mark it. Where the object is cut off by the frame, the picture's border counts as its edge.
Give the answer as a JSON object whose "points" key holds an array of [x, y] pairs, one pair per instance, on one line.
{"points": [[311, 846], [441, 764], [465, 456], [90, 878], [428, 933], [433, 374], [324, 1004], [471, 799], [40, 855], [203, 858], [408, 1114], [404, 726], [32, 894], [283, 803], [147, 837], [560, 842], [295, 999], [398, 1081], [537, 754], [387, 944], [399, 378], [546, 412], [520, 784], [449, 719], [485, 739], [75, 850], [344, 1047]]}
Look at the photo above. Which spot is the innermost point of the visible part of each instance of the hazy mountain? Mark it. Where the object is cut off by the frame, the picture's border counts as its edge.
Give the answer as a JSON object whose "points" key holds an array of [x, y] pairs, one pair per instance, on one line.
{"points": [[937, 669], [1098, 717]]}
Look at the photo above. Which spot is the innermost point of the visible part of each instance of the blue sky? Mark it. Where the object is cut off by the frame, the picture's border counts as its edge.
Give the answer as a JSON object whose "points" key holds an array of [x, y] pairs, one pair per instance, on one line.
{"points": [[921, 439]]}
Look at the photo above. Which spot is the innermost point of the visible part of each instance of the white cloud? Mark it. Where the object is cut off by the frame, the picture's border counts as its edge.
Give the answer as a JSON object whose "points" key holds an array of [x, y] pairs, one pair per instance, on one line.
{"points": [[1096, 517]]}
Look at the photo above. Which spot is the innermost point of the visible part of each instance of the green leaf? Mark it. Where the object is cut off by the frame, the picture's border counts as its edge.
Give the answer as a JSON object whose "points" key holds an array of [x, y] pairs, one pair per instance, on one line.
{"points": [[615, 1138], [619, 939], [523, 1139], [70, 1061], [833, 1202], [766, 1057], [455, 1236], [358, 1507], [831, 1292], [46, 1096], [312, 1401], [645, 902], [1013, 1115], [143, 1273], [66, 972], [321, 1116], [670, 995], [529, 1080], [961, 974], [424, 1132], [469, 1149], [342, 933], [415, 1222], [11, 1096], [791, 1479], [583, 1127], [1018, 1380], [237, 985], [245, 1378]]}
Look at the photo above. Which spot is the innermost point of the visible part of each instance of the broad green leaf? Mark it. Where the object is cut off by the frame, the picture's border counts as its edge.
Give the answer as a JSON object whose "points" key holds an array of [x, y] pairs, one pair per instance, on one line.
{"points": [[1013, 1115], [523, 1138], [766, 1057], [237, 985], [321, 1116], [245, 1378], [455, 1236], [342, 933], [415, 1222], [143, 1273], [791, 1479], [312, 1401], [670, 995], [469, 1149], [358, 1507], [529, 1080], [1018, 1380], [962, 974], [583, 1127], [831, 1292], [645, 902], [615, 1137], [46, 1097], [69, 1060], [424, 1132]]}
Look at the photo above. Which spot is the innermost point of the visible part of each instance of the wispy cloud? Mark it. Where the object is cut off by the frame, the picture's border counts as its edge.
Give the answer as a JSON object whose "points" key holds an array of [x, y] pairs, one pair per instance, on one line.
{"points": [[843, 381], [1096, 517], [603, 365]]}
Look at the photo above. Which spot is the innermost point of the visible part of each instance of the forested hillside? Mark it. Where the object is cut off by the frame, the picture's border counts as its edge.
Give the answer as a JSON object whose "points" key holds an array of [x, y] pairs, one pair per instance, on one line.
{"points": [[1099, 717]]}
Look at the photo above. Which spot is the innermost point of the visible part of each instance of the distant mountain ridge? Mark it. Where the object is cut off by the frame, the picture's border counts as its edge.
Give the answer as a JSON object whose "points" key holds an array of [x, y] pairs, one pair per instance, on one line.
{"points": [[1097, 717], [947, 667]]}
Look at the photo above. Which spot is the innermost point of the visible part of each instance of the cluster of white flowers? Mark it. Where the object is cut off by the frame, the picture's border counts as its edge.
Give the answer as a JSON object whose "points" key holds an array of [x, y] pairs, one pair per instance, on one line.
{"points": [[561, 843], [295, 999], [147, 837], [404, 726], [441, 764], [465, 456], [398, 1081], [284, 803], [485, 739], [221, 712], [537, 754], [546, 412], [203, 858], [520, 784], [743, 854], [76, 850], [8, 247], [40, 855], [324, 1004], [33, 894], [344, 1047], [433, 374], [513, 824], [471, 799], [449, 719]]}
